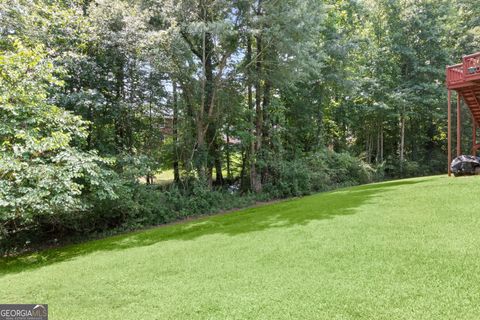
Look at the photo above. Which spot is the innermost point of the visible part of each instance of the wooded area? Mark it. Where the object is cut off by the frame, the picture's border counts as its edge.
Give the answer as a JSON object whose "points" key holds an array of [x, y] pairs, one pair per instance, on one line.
{"points": [[241, 100]]}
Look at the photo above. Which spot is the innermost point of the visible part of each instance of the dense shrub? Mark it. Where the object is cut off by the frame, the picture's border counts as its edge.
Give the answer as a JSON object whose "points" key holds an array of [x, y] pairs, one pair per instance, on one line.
{"points": [[152, 204], [317, 172], [409, 168], [288, 178], [138, 205]]}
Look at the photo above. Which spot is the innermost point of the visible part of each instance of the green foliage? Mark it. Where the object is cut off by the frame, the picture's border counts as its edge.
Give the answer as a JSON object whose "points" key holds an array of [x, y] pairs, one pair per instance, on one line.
{"points": [[133, 167], [43, 177], [317, 172]]}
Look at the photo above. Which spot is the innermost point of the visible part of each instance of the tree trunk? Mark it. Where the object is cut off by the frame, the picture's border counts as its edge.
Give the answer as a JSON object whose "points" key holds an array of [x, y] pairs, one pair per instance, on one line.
{"points": [[381, 143], [252, 151], [209, 125], [266, 103], [266, 123], [256, 183], [119, 118], [367, 147], [319, 137], [176, 171], [377, 149], [200, 149], [204, 134], [242, 171], [402, 141], [218, 171], [229, 169]]}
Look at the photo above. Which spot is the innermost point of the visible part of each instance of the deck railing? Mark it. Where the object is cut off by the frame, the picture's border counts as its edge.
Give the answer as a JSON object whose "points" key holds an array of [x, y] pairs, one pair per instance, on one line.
{"points": [[471, 65], [455, 74], [465, 72]]}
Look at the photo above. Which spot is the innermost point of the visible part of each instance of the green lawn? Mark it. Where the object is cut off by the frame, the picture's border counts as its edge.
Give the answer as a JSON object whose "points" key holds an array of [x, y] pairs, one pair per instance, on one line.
{"points": [[407, 249]]}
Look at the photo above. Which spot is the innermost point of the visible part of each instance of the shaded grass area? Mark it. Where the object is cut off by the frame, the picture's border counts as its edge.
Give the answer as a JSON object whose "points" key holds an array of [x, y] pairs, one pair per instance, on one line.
{"points": [[398, 250], [284, 214]]}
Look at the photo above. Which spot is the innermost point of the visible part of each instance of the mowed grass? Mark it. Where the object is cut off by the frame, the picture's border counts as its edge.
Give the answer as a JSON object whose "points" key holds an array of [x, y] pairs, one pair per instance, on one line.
{"points": [[407, 249]]}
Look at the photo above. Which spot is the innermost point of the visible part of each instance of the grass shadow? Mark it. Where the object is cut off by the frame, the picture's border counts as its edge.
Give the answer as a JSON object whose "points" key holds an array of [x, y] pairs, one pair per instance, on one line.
{"points": [[280, 215]]}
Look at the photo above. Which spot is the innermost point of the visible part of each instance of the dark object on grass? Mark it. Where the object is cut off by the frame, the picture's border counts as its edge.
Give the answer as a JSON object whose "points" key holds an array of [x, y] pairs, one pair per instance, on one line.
{"points": [[465, 165]]}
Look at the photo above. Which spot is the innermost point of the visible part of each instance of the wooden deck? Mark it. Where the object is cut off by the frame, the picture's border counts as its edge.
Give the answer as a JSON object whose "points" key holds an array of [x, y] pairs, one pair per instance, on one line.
{"points": [[464, 78]]}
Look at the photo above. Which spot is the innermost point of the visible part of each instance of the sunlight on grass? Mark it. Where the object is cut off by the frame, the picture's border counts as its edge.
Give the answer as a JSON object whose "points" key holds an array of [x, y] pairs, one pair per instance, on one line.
{"points": [[403, 249], [166, 176]]}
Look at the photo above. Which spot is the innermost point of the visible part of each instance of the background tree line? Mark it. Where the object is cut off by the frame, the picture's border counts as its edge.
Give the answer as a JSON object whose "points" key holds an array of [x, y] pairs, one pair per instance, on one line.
{"points": [[239, 100]]}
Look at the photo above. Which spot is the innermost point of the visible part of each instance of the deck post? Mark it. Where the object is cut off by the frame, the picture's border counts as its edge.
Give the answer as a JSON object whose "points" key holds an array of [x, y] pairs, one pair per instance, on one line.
{"points": [[449, 136], [474, 137], [459, 126]]}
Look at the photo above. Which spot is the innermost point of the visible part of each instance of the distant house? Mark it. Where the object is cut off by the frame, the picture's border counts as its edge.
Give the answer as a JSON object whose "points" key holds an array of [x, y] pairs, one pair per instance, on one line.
{"points": [[230, 140], [166, 126]]}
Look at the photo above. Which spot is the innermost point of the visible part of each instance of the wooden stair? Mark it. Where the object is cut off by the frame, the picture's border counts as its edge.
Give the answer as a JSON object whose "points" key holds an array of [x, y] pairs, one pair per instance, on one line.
{"points": [[471, 96]]}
